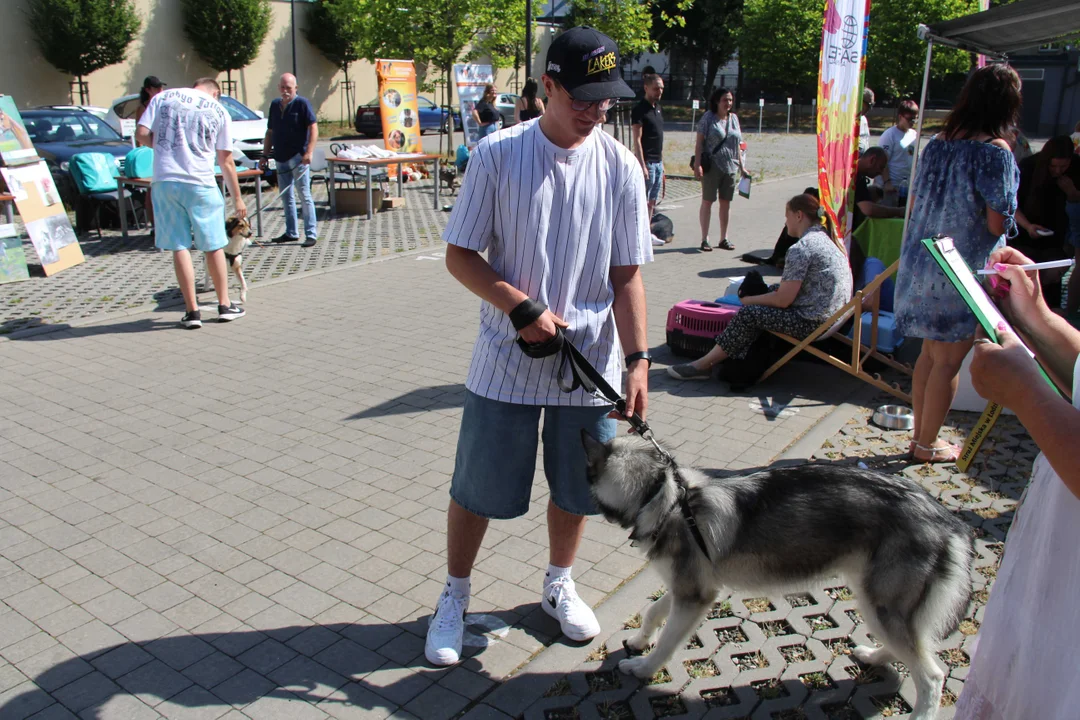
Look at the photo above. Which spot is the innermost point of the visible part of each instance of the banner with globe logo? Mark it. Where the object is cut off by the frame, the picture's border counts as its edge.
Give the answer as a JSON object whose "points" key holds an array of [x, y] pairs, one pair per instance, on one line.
{"points": [[840, 83]]}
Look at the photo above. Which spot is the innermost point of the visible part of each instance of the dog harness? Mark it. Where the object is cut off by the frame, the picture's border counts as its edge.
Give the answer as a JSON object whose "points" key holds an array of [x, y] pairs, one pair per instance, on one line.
{"points": [[682, 491], [583, 375]]}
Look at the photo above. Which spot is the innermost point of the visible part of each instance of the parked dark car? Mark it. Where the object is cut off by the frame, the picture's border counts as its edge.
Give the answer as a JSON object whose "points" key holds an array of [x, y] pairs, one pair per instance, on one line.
{"points": [[432, 118], [59, 134]]}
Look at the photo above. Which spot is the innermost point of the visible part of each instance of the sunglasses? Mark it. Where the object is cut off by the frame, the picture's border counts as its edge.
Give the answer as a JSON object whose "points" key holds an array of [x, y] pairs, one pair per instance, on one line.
{"points": [[583, 105]]}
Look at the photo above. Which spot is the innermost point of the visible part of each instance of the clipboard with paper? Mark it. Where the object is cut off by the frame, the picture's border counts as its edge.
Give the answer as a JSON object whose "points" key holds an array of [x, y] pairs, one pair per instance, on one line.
{"points": [[956, 269]]}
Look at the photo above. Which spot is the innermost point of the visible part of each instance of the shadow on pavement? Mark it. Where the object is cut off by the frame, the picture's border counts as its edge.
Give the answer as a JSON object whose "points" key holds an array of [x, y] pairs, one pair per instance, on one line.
{"points": [[335, 666], [439, 397]]}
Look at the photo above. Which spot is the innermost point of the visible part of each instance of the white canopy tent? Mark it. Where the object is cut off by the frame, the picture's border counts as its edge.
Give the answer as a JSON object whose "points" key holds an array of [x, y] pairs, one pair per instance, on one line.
{"points": [[995, 33]]}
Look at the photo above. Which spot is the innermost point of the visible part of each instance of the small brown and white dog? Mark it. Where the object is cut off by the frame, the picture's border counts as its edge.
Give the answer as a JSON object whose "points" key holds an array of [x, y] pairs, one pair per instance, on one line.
{"points": [[239, 234]]}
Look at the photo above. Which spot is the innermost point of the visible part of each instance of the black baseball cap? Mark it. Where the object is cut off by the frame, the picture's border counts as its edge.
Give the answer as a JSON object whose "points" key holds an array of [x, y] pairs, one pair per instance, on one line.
{"points": [[152, 81], [585, 62]]}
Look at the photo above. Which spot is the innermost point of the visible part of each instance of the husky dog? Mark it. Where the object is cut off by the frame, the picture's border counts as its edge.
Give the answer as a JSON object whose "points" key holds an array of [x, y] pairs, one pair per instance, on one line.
{"points": [[906, 558]]}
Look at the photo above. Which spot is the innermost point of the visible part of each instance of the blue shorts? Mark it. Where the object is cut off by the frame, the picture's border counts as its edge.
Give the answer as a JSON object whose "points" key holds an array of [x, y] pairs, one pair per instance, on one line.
{"points": [[496, 456], [183, 210], [654, 180], [1072, 209]]}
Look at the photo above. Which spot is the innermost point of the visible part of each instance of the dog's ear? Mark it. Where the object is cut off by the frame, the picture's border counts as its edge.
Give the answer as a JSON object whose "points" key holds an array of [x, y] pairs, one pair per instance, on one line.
{"points": [[230, 225], [596, 452]]}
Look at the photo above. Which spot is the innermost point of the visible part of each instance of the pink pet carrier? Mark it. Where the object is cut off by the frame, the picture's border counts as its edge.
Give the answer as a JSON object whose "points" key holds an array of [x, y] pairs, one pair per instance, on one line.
{"points": [[692, 326]]}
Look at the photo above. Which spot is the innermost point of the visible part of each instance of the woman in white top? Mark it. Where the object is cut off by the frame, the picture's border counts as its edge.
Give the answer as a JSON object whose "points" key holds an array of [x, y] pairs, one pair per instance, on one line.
{"points": [[1025, 658], [899, 142]]}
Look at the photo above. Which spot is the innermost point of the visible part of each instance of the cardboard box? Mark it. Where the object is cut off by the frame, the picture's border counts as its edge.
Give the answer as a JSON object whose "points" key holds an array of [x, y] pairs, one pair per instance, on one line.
{"points": [[389, 203], [353, 201]]}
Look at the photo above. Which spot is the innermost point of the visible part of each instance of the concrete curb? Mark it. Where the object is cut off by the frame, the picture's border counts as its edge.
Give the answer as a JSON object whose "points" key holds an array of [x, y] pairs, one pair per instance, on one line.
{"points": [[527, 685]]}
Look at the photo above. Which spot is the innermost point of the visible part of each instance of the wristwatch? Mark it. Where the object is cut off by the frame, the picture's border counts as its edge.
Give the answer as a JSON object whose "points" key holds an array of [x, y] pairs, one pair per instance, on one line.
{"points": [[642, 355]]}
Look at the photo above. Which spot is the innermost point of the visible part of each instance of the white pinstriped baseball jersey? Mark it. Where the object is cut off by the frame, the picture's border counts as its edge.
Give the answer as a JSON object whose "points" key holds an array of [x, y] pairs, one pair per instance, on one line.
{"points": [[553, 222]]}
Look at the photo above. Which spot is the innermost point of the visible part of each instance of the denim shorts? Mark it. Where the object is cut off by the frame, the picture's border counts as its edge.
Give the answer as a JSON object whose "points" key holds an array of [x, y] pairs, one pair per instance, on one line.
{"points": [[185, 209], [496, 456], [654, 180]]}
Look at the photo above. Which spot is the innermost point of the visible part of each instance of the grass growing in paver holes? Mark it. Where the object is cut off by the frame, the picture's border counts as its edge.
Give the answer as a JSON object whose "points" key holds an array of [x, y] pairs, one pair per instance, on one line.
{"points": [[633, 623], [615, 710], [731, 635], [769, 689], [662, 676], [719, 697], [560, 688], [570, 713], [750, 661], [701, 668], [773, 628], [817, 681], [720, 610], [758, 605], [603, 680], [598, 655], [667, 706], [891, 706], [796, 653], [840, 593]]}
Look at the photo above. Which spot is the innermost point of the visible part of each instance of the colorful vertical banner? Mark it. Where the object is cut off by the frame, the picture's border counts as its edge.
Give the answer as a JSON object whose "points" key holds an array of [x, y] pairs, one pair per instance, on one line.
{"points": [[470, 81], [840, 84], [397, 105]]}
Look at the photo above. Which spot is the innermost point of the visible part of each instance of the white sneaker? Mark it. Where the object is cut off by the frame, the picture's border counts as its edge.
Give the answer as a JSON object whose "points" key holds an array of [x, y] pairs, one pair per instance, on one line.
{"points": [[576, 619], [443, 646], [657, 242]]}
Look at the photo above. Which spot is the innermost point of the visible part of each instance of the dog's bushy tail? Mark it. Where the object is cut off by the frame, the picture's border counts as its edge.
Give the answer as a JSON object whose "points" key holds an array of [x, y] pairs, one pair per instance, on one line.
{"points": [[949, 591]]}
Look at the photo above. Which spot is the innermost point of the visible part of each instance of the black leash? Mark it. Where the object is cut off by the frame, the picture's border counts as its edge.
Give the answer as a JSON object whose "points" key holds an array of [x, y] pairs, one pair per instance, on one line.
{"points": [[585, 376]]}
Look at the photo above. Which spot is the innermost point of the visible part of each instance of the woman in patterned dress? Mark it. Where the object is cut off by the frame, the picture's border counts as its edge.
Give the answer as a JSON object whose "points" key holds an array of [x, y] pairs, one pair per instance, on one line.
{"points": [[965, 189]]}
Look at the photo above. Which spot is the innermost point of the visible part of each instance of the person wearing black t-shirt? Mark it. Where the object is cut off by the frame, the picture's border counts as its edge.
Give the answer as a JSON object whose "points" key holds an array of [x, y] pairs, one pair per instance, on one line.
{"points": [[647, 133], [484, 114]]}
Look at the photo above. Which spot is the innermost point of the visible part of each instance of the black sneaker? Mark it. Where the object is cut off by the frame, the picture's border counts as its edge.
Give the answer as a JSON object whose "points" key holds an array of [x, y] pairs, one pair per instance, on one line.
{"points": [[191, 320], [229, 312], [308, 242], [284, 238]]}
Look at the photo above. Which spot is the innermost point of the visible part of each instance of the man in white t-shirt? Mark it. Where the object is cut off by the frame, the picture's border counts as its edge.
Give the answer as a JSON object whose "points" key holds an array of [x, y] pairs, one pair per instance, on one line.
{"points": [[899, 143], [559, 206], [190, 131]]}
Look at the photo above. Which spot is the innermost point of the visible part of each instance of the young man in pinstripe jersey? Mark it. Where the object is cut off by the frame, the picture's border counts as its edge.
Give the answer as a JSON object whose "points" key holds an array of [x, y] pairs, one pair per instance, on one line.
{"points": [[560, 209]]}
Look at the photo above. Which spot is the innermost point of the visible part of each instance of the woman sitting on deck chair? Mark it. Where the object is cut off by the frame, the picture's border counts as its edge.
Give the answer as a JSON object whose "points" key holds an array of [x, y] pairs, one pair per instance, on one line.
{"points": [[815, 284]]}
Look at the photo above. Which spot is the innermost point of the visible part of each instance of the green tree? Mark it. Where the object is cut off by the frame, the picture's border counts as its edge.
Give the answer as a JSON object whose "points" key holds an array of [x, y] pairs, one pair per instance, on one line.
{"points": [[227, 34], [895, 55], [780, 42], [706, 32], [628, 22], [504, 43], [337, 29], [78, 37]]}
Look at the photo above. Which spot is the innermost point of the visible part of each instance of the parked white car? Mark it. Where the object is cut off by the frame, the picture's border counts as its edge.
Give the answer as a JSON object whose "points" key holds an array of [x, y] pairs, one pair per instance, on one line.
{"points": [[248, 126]]}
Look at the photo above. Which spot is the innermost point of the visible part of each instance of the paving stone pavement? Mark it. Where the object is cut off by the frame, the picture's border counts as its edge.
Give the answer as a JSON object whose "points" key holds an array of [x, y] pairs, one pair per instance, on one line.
{"points": [[248, 520], [125, 276], [787, 657]]}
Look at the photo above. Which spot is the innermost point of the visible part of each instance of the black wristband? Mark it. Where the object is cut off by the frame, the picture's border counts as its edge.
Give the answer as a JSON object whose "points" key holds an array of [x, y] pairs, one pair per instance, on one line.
{"points": [[642, 355], [526, 313]]}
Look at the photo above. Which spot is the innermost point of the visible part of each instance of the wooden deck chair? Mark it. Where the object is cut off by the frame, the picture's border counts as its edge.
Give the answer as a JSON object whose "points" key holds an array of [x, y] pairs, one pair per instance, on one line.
{"points": [[865, 299]]}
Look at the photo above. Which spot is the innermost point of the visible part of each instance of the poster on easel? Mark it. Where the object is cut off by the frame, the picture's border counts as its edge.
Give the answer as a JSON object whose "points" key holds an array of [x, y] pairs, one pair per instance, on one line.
{"points": [[12, 256], [470, 81], [16, 148], [44, 215]]}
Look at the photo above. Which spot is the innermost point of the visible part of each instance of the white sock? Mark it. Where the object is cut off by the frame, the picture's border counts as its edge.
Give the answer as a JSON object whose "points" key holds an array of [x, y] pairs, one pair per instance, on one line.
{"points": [[461, 586], [554, 572]]}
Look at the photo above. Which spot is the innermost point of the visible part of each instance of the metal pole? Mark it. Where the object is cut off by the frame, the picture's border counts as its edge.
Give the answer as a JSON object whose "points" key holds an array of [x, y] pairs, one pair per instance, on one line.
{"points": [[760, 110], [918, 132], [528, 38], [292, 19], [789, 115]]}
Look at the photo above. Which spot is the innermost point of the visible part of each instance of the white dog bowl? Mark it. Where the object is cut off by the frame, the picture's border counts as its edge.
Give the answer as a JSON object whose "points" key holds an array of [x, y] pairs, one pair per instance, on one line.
{"points": [[894, 417]]}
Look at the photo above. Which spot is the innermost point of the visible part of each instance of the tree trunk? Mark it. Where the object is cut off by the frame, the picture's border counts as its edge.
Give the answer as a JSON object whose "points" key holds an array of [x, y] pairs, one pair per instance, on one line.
{"points": [[348, 103], [228, 78], [712, 67]]}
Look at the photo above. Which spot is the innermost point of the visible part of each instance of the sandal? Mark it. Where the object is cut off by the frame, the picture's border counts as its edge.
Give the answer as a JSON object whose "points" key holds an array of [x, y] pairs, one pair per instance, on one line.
{"points": [[705, 247], [725, 244], [952, 453]]}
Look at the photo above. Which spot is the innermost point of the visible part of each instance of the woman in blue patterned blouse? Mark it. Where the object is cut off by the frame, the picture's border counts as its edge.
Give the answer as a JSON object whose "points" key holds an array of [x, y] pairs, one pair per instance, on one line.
{"points": [[966, 189]]}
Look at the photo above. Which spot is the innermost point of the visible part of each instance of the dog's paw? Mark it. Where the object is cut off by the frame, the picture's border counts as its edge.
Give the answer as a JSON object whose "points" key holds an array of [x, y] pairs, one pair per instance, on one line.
{"points": [[638, 667], [638, 643], [871, 655]]}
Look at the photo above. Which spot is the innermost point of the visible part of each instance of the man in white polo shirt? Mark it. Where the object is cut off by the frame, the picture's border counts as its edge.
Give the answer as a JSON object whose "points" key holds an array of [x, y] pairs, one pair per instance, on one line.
{"points": [[560, 209]]}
